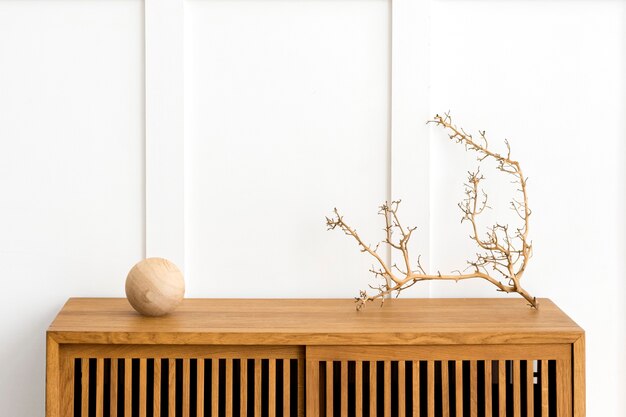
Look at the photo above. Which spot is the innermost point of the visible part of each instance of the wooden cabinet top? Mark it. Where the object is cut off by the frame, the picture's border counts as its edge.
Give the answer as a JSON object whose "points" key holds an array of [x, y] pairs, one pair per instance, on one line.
{"points": [[316, 322]]}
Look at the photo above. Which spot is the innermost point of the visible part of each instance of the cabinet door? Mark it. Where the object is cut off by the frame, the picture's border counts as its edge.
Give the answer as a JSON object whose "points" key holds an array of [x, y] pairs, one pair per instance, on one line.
{"points": [[470, 380]]}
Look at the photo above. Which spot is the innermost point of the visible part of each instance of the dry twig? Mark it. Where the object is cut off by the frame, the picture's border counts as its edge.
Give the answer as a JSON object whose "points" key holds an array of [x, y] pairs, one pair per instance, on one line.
{"points": [[505, 251]]}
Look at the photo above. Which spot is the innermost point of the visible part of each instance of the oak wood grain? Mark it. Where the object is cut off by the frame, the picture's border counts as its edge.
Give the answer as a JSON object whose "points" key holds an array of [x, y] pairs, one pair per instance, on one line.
{"points": [[272, 388], [215, 386], [578, 353], [200, 388], [100, 388], [544, 388], [114, 385], [517, 400], [344, 389], [85, 387], [156, 403], [243, 391], [257, 387], [312, 388], [473, 389], [329, 389], [387, 388], [458, 378], [186, 386], [530, 388], [502, 388], [53, 378], [564, 387], [373, 385], [315, 322], [401, 389], [171, 389], [488, 388], [287, 387], [416, 387], [430, 372], [358, 375], [445, 389], [128, 379]]}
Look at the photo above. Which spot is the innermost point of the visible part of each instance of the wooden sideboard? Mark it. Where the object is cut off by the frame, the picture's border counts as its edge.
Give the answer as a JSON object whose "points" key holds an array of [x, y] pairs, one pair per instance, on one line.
{"points": [[315, 357]]}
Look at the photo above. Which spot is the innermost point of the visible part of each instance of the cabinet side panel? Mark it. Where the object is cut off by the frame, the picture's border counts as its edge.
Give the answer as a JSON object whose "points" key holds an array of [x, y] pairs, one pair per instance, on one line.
{"points": [[65, 384], [52, 377], [578, 355]]}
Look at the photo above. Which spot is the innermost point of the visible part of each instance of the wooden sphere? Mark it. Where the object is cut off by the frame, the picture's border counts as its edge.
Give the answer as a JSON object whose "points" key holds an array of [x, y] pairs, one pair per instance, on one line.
{"points": [[155, 286]]}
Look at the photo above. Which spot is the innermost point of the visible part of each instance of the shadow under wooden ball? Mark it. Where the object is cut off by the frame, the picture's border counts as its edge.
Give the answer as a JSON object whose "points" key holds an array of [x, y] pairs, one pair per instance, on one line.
{"points": [[155, 287]]}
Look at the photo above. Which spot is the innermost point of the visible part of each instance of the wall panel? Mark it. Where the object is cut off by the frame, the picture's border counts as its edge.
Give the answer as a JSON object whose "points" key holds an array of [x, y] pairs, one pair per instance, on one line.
{"points": [[286, 116], [71, 170]]}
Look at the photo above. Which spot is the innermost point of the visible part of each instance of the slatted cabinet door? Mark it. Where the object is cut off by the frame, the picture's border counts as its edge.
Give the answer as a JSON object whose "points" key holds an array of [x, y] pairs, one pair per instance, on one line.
{"points": [[187, 381], [429, 381]]}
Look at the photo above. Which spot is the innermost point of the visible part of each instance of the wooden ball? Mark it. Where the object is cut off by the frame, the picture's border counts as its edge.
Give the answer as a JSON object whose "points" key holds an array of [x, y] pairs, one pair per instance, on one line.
{"points": [[155, 286]]}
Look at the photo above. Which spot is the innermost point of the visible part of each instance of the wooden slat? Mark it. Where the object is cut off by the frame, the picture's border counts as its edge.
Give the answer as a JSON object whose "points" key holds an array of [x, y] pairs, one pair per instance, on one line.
{"points": [[128, 387], [544, 388], [286, 388], [473, 389], [358, 387], [488, 389], [445, 389], [387, 388], [344, 389], [329, 388], [143, 385], [229, 388], [312, 389], [416, 388], [66, 388], [517, 397], [186, 387], [322, 393], [113, 386], [301, 385], [578, 356], [171, 388], [373, 385], [200, 388], [458, 380], [215, 386], [430, 370], [156, 404], [401, 388], [100, 387], [502, 388], [243, 388], [530, 389], [84, 383], [272, 388], [257, 388], [564, 388]]}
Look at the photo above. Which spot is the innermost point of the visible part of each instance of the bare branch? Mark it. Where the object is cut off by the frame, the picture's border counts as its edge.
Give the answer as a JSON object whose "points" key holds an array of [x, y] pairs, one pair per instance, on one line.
{"points": [[505, 250]]}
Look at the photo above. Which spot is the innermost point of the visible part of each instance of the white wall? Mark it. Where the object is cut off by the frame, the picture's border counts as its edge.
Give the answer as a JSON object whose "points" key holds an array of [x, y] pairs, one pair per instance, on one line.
{"points": [[292, 108], [286, 109], [71, 171], [549, 76]]}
